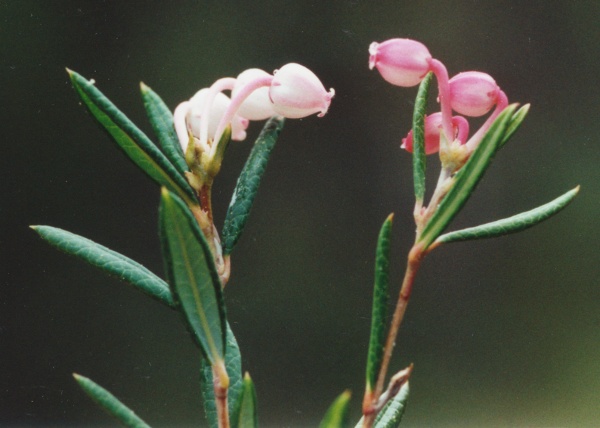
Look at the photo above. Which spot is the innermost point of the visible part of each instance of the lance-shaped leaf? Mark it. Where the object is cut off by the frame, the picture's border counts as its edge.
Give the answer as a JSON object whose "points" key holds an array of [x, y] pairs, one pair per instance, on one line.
{"points": [[337, 414], [419, 138], [233, 364], [512, 224], [391, 414], [110, 403], [380, 304], [109, 261], [133, 142], [246, 415], [515, 122], [193, 277], [248, 182], [466, 179], [161, 120]]}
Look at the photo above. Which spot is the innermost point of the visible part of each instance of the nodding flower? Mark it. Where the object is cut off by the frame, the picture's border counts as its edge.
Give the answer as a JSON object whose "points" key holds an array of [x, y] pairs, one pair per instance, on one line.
{"points": [[297, 92], [402, 62], [293, 92], [406, 62], [473, 93], [190, 115], [433, 125]]}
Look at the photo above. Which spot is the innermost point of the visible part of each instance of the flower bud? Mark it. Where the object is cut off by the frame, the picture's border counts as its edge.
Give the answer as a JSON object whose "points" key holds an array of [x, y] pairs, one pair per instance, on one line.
{"points": [[402, 62], [433, 128], [473, 93], [219, 105], [257, 106], [297, 92]]}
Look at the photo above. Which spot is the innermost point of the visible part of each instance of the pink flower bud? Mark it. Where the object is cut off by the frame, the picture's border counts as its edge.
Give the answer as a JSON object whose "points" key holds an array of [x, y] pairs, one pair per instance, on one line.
{"points": [[217, 109], [402, 62], [433, 128], [257, 106], [297, 92], [473, 93]]}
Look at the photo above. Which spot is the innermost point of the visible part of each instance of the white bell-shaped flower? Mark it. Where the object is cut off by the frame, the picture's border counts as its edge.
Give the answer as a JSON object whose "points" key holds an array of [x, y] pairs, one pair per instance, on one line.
{"points": [[217, 109], [297, 92], [257, 106]]}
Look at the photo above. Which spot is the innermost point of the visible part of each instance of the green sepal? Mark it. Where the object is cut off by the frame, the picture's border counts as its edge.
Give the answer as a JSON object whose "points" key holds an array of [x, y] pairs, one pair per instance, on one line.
{"points": [[418, 131], [391, 414], [220, 150], [133, 142], [466, 179], [248, 182], [246, 415], [337, 414], [512, 224], [161, 119], [192, 276], [233, 364], [109, 261], [380, 304], [110, 403]]}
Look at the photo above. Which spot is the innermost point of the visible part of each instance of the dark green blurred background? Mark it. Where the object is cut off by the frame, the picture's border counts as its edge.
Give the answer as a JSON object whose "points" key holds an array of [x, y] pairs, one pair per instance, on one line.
{"points": [[502, 333]]}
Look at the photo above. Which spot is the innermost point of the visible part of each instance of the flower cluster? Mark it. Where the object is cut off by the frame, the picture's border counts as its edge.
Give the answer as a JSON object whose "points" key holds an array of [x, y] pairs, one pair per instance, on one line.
{"points": [[405, 62], [293, 92]]}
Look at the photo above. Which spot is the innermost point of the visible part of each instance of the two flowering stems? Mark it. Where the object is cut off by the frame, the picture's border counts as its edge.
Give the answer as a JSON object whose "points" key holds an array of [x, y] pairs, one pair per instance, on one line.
{"points": [[194, 139]]}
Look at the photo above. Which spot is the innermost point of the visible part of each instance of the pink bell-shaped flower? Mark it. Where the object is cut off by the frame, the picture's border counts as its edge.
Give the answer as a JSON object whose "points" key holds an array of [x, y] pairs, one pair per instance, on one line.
{"points": [[473, 93], [433, 128], [402, 62], [297, 92], [257, 106]]}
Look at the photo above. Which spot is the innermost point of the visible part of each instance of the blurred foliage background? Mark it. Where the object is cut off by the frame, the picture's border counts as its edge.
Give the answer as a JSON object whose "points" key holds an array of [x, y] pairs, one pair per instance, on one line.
{"points": [[503, 332]]}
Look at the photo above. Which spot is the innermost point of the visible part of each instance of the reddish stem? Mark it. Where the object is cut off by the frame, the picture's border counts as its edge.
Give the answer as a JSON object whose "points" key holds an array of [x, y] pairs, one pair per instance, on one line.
{"points": [[205, 201], [220, 399], [414, 261]]}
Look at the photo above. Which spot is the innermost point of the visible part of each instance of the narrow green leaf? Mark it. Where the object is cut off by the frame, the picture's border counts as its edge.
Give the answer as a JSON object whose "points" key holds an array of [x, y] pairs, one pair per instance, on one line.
{"points": [[248, 182], [133, 142], [512, 224], [466, 179], [110, 403], [161, 119], [380, 304], [337, 414], [192, 276], [233, 364], [246, 415], [515, 123], [391, 414], [109, 261], [419, 137]]}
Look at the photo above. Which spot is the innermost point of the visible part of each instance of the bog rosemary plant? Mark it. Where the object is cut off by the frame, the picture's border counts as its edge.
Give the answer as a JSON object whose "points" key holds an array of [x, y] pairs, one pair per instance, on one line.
{"points": [[197, 257]]}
